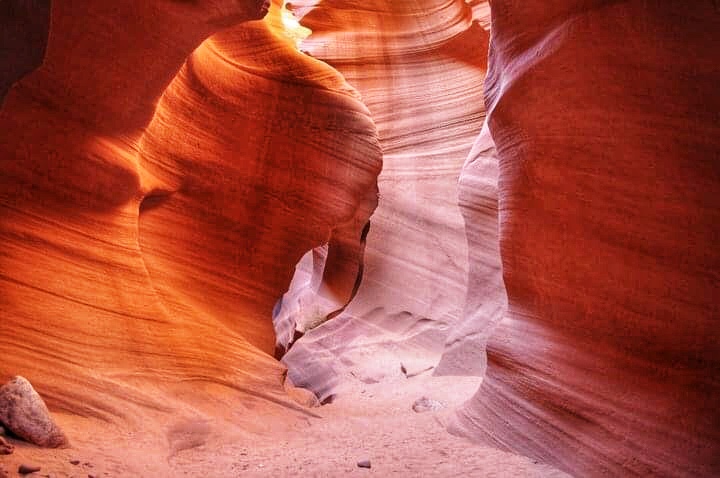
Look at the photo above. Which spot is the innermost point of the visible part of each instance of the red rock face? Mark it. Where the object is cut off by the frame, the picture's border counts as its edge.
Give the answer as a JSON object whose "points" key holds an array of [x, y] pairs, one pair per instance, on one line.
{"points": [[166, 164], [605, 119], [251, 191], [146, 233]]}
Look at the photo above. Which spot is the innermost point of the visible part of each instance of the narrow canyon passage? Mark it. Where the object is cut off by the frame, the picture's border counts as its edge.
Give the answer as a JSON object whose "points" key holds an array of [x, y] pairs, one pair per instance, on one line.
{"points": [[481, 234]]}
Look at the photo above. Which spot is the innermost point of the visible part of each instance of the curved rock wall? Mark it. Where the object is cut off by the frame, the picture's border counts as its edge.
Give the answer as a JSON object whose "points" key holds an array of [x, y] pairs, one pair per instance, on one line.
{"points": [[605, 118], [134, 268], [418, 66], [266, 176], [486, 299], [158, 187]]}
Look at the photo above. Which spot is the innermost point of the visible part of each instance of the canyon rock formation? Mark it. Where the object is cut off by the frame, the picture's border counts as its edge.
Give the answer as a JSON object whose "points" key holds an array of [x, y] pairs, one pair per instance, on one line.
{"points": [[605, 118], [126, 260], [418, 69], [399, 199]]}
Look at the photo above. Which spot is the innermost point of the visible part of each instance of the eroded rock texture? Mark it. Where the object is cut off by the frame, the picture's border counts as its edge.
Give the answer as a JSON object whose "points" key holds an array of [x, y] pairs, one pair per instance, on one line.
{"points": [[25, 414], [419, 67], [165, 166], [146, 234], [282, 151], [605, 118], [486, 299]]}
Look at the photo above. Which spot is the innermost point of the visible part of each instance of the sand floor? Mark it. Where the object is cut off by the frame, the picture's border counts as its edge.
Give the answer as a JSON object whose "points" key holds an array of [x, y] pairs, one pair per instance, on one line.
{"points": [[373, 422]]}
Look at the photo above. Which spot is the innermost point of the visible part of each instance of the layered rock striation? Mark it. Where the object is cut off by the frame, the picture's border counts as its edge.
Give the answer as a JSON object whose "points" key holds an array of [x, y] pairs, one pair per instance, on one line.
{"points": [[605, 119], [419, 67], [152, 208]]}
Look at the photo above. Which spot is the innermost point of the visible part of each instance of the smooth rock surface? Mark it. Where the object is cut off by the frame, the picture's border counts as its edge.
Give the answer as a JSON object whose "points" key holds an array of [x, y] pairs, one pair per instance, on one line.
{"points": [[419, 70], [136, 261], [167, 167], [25, 414], [605, 119]]}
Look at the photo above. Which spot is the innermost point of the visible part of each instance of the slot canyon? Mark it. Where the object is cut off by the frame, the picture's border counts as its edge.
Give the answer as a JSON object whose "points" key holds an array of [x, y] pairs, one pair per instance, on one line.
{"points": [[421, 238]]}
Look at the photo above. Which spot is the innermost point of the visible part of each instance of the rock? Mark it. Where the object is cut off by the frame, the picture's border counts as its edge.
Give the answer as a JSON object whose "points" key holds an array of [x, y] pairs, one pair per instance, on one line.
{"points": [[301, 395], [363, 464], [425, 404], [5, 447], [25, 469], [75, 462], [4, 473], [23, 412], [2, 431]]}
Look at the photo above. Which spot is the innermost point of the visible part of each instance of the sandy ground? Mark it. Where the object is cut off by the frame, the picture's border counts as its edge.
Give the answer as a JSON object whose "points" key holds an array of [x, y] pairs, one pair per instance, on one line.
{"points": [[373, 422]]}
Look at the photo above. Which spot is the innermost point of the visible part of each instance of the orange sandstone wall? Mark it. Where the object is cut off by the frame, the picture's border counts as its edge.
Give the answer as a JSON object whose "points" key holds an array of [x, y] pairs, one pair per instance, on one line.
{"points": [[151, 213]]}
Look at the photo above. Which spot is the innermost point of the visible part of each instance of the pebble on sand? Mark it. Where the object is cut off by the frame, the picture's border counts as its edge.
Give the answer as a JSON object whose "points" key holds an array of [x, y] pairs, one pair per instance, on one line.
{"points": [[425, 404], [27, 469], [363, 464]]}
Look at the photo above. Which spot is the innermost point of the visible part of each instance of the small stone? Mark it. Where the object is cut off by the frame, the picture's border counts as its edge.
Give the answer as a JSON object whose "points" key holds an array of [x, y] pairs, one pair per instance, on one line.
{"points": [[2, 431], [27, 469], [363, 464], [425, 404], [23, 412], [75, 462], [91, 476], [301, 395], [5, 447]]}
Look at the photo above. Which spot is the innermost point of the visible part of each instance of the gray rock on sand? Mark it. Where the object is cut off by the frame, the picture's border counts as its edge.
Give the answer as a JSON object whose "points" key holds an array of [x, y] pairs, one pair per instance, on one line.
{"points": [[425, 404], [363, 464], [23, 412]]}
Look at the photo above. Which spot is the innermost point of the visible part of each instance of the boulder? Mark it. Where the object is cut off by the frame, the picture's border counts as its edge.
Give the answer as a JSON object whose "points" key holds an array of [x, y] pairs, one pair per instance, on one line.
{"points": [[23, 412]]}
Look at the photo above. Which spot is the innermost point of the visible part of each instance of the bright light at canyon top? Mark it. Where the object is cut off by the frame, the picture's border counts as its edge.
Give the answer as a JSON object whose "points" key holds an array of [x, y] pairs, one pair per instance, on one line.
{"points": [[292, 26]]}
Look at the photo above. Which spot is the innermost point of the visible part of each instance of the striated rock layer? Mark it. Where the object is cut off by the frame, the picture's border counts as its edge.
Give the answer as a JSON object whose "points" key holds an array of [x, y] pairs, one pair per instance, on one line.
{"points": [[266, 176], [146, 234], [418, 66], [605, 118]]}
